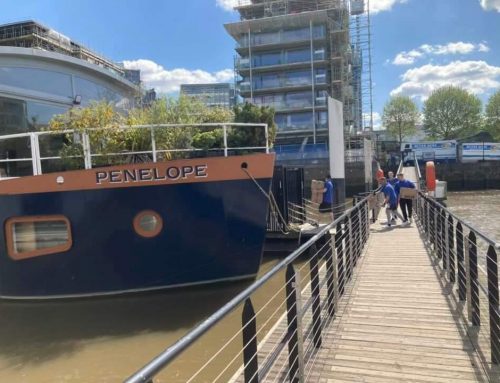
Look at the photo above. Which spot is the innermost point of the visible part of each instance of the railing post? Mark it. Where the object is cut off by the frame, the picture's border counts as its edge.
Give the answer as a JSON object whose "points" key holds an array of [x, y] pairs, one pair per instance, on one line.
{"points": [[462, 281], [316, 304], [153, 143], [348, 246], [87, 155], [434, 227], [250, 356], [474, 282], [294, 316], [266, 129], [330, 276], [451, 250], [444, 242], [493, 304], [224, 129], [340, 260]]}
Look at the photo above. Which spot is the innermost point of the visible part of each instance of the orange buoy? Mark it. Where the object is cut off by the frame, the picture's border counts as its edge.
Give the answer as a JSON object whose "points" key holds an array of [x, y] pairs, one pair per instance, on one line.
{"points": [[380, 174], [430, 176]]}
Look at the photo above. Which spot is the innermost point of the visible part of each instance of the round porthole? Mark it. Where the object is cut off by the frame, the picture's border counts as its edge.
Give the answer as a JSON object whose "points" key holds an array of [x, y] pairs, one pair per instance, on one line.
{"points": [[148, 224]]}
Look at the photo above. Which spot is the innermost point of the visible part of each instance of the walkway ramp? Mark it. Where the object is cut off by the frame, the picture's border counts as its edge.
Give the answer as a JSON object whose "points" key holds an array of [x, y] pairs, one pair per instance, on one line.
{"points": [[400, 324]]}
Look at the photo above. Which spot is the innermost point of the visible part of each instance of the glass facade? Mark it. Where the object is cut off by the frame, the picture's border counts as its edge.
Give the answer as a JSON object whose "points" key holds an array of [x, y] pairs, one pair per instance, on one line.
{"points": [[283, 36], [285, 79], [287, 56], [41, 94], [39, 80], [301, 121]]}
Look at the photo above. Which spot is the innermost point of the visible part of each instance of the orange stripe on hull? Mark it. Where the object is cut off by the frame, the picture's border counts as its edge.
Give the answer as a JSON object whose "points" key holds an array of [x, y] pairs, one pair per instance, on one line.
{"points": [[159, 173]]}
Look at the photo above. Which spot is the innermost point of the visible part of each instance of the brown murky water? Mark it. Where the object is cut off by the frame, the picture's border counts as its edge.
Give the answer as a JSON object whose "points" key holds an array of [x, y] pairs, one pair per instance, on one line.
{"points": [[480, 208], [105, 340]]}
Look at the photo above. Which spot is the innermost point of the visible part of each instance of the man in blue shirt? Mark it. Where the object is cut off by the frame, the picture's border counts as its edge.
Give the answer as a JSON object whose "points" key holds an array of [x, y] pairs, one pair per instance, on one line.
{"points": [[406, 204], [327, 203], [390, 201]]}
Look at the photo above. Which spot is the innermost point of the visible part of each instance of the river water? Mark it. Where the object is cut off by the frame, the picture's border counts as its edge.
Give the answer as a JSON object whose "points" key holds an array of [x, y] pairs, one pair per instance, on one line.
{"points": [[105, 340]]}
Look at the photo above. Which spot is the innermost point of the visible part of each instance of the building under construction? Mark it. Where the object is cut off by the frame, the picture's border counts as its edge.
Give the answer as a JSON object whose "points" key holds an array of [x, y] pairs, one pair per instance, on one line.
{"points": [[292, 55], [31, 34]]}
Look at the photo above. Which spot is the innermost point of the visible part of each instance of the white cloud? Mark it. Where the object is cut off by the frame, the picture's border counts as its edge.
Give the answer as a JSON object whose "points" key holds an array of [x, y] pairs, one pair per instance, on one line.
{"points": [[227, 5], [168, 81], [377, 6], [377, 120], [483, 48], [490, 5], [475, 76], [408, 58]]}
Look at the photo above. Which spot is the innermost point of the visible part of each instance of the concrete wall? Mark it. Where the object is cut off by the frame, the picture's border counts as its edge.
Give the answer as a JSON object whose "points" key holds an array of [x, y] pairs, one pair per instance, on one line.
{"points": [[473, 176]]}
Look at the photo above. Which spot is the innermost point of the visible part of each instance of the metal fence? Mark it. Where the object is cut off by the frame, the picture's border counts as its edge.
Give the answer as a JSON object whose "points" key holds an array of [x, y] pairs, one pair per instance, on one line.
{"points": [[291, 323], [470, 263], [89, 154]]}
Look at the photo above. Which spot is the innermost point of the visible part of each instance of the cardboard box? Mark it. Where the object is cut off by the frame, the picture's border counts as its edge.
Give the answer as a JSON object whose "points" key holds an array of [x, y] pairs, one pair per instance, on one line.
{"points": [[407, 193]]}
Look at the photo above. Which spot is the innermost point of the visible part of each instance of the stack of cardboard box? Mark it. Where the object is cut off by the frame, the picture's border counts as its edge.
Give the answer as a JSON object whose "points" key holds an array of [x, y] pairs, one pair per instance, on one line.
{"points": [[317, 191]]}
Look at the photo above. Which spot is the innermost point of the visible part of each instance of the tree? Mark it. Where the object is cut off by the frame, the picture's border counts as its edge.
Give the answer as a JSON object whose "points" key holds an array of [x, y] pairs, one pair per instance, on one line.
{"points": [[492, 123], [451, 112], [400, 117], [250, 113]]}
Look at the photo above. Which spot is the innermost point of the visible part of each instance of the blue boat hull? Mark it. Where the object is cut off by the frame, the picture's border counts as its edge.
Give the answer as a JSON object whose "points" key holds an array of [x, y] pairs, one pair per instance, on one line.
{"points": [[212, 231]]}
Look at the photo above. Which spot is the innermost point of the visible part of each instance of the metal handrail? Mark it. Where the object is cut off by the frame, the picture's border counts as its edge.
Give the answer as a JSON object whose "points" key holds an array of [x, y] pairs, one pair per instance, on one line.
{"points": [[460, 254], [147, 373]]}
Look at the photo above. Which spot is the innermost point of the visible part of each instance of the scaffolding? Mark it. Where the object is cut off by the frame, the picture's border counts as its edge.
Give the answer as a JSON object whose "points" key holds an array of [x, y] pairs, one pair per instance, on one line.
{"points": [[30, 34], [360, 31]]}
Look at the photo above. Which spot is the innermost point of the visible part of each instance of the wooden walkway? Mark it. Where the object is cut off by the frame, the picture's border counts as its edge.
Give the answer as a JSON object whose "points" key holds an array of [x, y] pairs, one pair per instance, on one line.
{"points": [[399, 323]]}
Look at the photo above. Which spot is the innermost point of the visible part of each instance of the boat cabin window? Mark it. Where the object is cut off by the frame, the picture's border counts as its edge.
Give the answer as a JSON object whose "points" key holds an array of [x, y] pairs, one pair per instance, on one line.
{"points": [[37, 235], [148, 224]]}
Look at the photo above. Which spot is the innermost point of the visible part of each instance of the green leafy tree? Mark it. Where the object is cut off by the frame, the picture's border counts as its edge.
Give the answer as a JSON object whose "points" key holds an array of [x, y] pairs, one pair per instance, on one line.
{"points": [[400, 117], [250, 113], [492, 117], [451, 112]]}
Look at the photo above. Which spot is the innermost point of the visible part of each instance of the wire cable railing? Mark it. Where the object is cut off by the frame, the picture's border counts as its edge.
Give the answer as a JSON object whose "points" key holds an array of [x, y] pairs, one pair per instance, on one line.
{"points": [[291, 322], [469, 260]]}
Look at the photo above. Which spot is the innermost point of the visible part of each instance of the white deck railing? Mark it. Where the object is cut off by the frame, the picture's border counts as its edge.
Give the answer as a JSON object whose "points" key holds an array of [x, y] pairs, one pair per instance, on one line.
{"points": [[36, 158]]}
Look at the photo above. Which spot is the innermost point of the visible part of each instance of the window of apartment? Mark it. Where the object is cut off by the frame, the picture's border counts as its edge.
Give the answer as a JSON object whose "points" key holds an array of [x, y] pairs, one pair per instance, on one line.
{"points": [[266, 38], [319, 31], [299, 100], [296, 34], [319, 54], [268, 59], [298, 56], [269, 81], [321, 97], [298, 78], [275, 100], [40, 114], [300, 121], [37, 80], [34, 236], [12, 116], [322, 120], [320, 76], [91, 91]]}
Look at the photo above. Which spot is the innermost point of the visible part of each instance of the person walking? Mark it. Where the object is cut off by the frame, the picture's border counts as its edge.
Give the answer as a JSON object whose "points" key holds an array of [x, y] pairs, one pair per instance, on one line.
{"points": [[391, 179], [327, 203], [390, 201], [406, 204]]}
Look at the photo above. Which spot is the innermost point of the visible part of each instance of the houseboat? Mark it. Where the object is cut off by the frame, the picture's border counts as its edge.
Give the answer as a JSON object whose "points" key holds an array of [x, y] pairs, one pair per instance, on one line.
{"points": [[133, 227]]}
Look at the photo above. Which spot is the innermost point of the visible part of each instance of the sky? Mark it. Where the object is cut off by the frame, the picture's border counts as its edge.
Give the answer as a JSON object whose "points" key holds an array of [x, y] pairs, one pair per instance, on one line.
{"points": [[417, 45]]}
